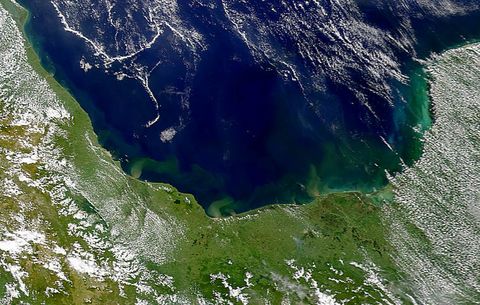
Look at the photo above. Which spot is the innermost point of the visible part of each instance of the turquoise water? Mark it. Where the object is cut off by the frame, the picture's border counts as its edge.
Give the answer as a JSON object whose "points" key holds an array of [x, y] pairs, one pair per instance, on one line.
{"points": [[249, 137]]}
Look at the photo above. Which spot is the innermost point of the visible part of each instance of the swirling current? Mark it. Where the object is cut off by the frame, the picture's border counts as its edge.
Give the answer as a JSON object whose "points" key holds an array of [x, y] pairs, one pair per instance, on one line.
{"points": [[249, 103]]}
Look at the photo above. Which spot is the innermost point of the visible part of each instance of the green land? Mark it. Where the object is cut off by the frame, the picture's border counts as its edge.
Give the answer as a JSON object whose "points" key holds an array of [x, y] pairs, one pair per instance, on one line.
{"points": [[75, 229]]}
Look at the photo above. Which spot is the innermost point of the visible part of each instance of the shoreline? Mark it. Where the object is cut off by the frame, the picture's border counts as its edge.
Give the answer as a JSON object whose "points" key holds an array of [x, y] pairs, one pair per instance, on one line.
{"points": [[58, 87], [341, 242], [386, 188]]}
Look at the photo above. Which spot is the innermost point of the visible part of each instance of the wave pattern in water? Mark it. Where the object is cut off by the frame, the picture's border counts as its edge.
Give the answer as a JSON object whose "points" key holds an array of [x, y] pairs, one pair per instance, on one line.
{"points": [[244, 103]]}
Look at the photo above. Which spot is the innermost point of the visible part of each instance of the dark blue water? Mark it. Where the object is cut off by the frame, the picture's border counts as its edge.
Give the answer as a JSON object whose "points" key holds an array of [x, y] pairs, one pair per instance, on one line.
{"points": [[246, 135]]}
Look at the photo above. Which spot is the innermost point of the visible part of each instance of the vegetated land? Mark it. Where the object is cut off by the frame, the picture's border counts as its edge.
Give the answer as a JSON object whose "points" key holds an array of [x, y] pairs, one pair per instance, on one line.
{"points": [[76, 229]]}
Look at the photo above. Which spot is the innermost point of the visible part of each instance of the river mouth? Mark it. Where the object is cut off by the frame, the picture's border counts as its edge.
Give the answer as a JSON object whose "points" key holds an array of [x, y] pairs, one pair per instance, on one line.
{"points": [[237, 133]]}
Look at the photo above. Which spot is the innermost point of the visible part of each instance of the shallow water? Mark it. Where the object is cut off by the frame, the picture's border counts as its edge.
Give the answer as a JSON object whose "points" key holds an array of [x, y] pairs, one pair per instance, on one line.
{"points": [[255, 112]]}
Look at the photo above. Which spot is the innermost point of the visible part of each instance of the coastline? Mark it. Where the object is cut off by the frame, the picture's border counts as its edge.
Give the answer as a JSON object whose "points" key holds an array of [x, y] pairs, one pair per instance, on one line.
{"points": [[359, 181], [181, 242], [382, 193], [349, 237], [418, 84], [385, 191]]}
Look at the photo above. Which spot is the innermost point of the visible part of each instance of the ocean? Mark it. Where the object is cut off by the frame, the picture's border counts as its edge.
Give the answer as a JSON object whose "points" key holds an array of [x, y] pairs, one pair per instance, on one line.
{"points": [[246, 104]]}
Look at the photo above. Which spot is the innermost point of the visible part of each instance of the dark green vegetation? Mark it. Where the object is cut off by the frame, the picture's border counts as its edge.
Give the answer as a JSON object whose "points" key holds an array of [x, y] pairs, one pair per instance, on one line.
{"points": [[325, 236], [351, 247]]}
